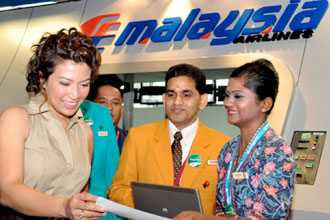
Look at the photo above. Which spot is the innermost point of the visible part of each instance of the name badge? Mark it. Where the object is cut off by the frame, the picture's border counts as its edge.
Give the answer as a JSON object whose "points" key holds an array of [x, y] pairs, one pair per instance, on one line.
{"points": [[102, 133], [240, 175], [212, 162]]}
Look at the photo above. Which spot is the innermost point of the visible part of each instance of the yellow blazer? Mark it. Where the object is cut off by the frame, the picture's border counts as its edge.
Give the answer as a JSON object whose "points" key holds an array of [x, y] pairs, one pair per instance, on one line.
{"points": [[147, 157]]}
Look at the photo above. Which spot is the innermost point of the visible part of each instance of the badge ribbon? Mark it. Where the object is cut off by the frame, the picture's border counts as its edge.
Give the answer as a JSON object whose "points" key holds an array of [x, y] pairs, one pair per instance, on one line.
{"points": [[229, 210]]}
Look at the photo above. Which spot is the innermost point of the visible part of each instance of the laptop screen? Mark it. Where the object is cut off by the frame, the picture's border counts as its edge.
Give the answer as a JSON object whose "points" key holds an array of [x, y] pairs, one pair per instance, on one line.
{"points": [[167, 201]]}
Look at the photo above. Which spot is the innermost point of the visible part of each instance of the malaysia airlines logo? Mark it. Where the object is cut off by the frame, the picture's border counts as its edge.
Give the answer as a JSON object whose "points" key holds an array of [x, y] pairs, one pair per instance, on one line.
{"points": [[266, 24], [89, 27]]}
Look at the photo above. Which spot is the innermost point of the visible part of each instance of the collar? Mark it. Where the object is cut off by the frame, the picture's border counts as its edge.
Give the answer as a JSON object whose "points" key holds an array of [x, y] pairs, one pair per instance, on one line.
{"points": [[188, 136], [187, 131]]}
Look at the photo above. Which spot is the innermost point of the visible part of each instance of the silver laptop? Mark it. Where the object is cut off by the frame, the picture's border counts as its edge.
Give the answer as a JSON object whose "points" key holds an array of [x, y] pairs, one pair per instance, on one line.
{"points": [[166, 201]]}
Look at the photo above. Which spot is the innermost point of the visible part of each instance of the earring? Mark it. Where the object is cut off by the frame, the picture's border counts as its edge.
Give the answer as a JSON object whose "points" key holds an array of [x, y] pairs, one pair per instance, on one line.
{"points": [[263, 110]]}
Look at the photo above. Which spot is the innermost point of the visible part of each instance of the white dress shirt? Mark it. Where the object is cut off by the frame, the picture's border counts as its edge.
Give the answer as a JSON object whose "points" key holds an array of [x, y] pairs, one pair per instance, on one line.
{"points": [[188, 136]]}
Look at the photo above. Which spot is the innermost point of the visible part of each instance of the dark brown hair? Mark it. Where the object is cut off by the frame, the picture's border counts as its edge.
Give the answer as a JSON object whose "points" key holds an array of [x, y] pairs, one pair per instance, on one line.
{"points": [[55, 48]]}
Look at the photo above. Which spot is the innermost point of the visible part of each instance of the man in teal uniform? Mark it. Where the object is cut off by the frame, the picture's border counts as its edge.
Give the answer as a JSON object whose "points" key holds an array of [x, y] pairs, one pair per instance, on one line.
{"points": [[106, 152]]}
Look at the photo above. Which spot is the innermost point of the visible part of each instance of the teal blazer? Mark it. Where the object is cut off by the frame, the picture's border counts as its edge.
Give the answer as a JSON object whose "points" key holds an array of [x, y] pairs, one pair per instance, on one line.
{"points": [[106, 152]]}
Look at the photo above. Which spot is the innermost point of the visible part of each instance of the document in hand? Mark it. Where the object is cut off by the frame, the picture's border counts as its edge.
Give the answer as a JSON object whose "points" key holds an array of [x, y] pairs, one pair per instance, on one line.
{"points": [[167, 201], [127, 212]]}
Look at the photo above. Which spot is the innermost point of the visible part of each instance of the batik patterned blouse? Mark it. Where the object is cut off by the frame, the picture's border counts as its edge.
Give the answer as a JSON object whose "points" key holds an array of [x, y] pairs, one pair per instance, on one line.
{"points": [[268, 190]]}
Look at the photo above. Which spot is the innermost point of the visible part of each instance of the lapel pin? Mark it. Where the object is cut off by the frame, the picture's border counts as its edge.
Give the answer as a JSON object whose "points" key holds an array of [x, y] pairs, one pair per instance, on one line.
{"points": [[195, 160], [88, 120], [206, 184]]}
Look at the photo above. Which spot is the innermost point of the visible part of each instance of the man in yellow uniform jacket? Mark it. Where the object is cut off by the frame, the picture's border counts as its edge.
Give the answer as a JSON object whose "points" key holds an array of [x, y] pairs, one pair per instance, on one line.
{"points": [[147, 152]]}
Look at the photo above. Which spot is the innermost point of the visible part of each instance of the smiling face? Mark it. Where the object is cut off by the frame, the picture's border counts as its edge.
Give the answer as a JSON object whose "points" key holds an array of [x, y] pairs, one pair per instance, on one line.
{"points": [[110, 97], [242, 105], [182, 101], [67, 87]]}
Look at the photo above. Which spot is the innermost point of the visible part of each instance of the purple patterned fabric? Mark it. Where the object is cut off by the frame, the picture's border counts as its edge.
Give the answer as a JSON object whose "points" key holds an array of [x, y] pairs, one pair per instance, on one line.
{"points": [[268, 191]]}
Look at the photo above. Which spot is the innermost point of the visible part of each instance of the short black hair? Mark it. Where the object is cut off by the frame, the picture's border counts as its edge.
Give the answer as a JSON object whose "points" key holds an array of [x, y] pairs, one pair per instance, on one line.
{"points": [[106, 80], [260, 77], [190, 71]]}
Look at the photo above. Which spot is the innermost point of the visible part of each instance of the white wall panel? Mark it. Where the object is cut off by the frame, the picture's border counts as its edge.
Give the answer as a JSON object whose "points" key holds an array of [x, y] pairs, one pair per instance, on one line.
{"points": [[19, 30], [310, 111], [12, 83]]}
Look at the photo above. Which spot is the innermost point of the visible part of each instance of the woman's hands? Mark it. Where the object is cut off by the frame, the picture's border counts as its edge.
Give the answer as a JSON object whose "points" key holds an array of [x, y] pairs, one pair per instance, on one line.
{"points": [[82, 206]]}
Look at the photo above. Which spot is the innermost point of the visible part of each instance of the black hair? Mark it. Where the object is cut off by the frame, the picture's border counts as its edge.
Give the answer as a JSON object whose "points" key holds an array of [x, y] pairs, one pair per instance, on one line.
{"points": [[190, 71], [106, 80], [260, 77]]}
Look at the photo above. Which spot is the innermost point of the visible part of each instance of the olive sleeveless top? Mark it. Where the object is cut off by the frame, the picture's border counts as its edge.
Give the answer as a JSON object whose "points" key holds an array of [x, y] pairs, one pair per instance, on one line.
{"points": [[56, 161]]}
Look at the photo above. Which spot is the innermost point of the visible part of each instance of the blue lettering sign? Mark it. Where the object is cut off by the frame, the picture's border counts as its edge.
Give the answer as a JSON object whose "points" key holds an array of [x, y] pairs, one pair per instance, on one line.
{"points": [[209, 21], [167, 31], [227, 36], [231, 29], [138, 27], [262, 15], [315, 14]]}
